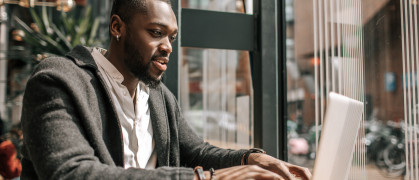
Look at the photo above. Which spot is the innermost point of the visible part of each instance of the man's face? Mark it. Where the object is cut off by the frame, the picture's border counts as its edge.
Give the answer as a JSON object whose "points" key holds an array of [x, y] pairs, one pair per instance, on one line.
{"points": [[148, 41]]}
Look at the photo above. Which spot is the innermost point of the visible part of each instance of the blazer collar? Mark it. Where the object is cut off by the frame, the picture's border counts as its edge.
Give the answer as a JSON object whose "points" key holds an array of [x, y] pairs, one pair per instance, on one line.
{"points": [[159, 121], [82, 56]]}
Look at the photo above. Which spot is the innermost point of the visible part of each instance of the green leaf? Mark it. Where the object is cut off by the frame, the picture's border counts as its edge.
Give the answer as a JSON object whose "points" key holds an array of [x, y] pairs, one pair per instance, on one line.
{"points": [[51, 42], [66, 23], [62, 37], [37, 20], [81, 31], [46, 20], [93, 31], [23, 25], [34, 41], [31, 36]]}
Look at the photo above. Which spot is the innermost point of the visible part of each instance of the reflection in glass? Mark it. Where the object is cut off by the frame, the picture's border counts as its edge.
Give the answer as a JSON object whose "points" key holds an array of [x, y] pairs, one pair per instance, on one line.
{"points": [[215, 86], [216, 95], [235, 6]]}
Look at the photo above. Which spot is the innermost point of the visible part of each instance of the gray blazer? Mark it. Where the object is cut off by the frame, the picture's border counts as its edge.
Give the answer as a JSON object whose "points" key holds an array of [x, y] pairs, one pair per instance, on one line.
{"points": [[71, 130]]}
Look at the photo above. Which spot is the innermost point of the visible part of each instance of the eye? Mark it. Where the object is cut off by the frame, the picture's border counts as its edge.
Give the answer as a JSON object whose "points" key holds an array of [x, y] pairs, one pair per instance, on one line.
{"points": [[172, 38], [156, 33]]}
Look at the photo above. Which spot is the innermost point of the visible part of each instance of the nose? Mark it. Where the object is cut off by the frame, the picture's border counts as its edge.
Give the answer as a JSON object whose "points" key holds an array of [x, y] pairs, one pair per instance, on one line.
{"points": [[166, 46]]}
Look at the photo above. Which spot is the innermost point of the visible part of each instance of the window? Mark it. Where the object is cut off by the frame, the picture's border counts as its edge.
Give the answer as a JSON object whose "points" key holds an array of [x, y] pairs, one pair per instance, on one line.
{"points": [[215, 87]]}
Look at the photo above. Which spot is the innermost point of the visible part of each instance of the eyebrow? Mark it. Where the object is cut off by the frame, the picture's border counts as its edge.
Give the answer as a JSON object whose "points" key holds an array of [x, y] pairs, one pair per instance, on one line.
{"points": [[163, 25]]}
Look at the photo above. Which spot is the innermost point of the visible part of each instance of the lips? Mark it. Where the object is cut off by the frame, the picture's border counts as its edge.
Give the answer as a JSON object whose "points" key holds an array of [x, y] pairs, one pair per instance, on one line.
{"points": [[161, 63]]}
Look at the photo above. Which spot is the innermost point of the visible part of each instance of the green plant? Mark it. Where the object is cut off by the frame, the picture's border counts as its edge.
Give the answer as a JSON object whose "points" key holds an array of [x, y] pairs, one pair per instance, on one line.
{"points": [[47, 37]]}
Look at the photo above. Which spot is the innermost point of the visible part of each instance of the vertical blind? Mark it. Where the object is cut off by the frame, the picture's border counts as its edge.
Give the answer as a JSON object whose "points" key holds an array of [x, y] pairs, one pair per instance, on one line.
{"points": [[410, 53], [338, 51]]}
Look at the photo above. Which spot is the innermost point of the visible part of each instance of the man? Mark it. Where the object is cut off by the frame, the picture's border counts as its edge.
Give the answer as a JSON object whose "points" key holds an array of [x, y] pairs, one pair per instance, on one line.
{"points": [[98, 114]]}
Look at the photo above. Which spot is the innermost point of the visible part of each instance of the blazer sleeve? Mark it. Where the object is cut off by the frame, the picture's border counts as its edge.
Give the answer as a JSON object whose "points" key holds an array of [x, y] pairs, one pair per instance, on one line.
{"points": [[55, 141], [195, 152]]}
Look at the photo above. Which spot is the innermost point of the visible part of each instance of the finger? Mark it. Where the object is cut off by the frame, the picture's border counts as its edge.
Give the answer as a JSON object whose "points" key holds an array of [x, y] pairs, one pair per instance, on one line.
{"points": [[292, 171], [267, 175], [229, 173], [259, 173], [248, 172], [304, 173], [220, 171], [284, 171], [232, 170]]}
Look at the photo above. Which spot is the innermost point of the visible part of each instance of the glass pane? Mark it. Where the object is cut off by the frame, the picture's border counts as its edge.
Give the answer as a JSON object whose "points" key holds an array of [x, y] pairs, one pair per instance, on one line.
{"points": [[348, 30], [239, 6], [216, 95], [300, 89]]}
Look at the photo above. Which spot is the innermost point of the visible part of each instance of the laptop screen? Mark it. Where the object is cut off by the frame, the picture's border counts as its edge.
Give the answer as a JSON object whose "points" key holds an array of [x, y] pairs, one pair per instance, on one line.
{"points": [[337, 142]]}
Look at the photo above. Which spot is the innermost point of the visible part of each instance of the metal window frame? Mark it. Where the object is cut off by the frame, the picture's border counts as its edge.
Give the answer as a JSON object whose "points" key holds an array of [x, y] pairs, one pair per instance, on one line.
{"points": [[282, 81], [269, 78], [4, 39], [267, 48], [171, 77]]}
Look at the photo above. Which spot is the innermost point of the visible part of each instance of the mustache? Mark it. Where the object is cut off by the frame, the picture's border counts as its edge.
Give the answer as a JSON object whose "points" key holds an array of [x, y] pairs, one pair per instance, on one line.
{"points": [[159, 55]]}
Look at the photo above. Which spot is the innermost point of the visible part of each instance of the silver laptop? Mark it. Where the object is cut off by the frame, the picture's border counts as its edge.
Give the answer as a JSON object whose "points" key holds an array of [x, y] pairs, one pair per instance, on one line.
{"points": [[337, 142]]}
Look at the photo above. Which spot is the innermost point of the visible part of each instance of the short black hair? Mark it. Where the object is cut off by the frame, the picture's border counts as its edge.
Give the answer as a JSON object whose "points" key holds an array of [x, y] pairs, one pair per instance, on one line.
{"points": [[125, 9]]}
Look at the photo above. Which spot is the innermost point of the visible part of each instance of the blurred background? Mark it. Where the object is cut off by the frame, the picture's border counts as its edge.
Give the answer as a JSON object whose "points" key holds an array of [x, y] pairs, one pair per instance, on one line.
{"points": [[218, 88]]}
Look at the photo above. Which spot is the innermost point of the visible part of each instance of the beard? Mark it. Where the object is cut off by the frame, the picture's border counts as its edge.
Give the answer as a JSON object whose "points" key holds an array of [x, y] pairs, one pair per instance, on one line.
{"points": [[138, 66]]}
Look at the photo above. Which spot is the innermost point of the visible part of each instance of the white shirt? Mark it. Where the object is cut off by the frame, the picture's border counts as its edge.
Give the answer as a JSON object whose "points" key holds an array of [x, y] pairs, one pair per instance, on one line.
{"points": [[137, 131]]}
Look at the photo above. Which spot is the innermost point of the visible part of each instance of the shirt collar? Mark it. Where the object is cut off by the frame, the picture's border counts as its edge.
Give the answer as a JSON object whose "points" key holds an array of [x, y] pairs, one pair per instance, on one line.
{"points": [[144, 87], [108, 67]]}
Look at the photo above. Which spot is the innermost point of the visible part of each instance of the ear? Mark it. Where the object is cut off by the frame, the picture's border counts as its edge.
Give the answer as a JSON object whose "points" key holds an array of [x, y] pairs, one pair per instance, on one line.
{"points": [[117, 26]]}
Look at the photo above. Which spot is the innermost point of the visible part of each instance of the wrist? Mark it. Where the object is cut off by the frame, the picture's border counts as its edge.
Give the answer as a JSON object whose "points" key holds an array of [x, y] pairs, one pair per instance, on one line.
{"points": [[253, 158], [207, 175], [263, 160], [246, 156]]}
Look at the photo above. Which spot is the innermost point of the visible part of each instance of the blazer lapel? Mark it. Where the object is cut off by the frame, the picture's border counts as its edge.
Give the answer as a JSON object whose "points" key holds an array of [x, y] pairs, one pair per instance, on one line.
{"points": [[160, 125]]}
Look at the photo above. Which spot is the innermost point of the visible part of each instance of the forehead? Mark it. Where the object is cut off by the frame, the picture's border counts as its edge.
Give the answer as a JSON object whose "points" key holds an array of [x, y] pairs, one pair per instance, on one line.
{"points": [[158, 12]]}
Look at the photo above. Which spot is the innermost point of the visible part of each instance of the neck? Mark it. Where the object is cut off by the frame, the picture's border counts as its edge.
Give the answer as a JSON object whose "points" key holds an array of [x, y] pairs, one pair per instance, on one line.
{"points": [[131, 85], [114, 55]]}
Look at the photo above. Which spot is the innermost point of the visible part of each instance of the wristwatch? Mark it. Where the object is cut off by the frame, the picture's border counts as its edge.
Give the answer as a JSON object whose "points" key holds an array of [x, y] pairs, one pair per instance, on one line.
{"points": [[252, 150]]}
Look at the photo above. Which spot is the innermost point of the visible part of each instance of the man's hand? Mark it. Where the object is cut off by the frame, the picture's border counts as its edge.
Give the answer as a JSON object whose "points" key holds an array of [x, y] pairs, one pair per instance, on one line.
{"points": [[284, 169], [243, 172]]}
